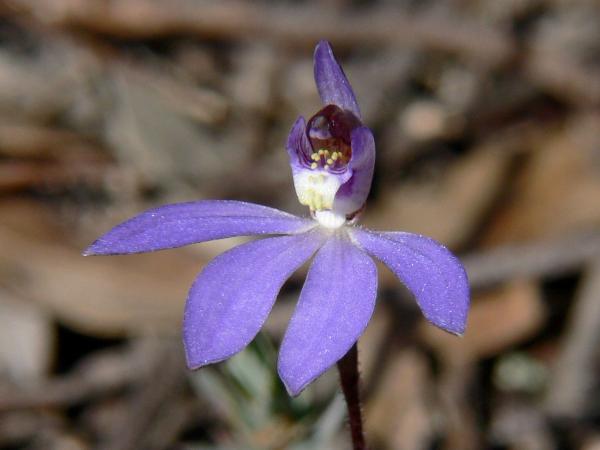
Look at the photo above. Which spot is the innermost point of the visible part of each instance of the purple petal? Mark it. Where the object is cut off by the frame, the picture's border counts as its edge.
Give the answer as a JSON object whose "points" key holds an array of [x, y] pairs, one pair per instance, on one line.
{"points": [[333, 86], [298, 146], [181, 224], [335, 306], [353, 194], [433, 274], [232, 296]]}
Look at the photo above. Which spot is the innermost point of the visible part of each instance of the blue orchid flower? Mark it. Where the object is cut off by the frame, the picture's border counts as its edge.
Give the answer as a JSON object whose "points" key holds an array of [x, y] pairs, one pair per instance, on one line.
{"points": [[332, 156]]}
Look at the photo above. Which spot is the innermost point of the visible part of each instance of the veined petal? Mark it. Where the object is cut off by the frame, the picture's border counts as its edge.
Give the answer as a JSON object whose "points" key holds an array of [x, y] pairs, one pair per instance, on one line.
{"points": [[335, 306], [332, 84], [231, 298], [433, 274], [181, 224], [298, 146], [352, 195]]}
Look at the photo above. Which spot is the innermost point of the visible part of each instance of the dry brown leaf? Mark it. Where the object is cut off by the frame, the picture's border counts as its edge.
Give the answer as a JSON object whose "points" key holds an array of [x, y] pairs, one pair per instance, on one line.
{"points": [[371, 342], [398, 415], [497, 320], [26, 339], [558, 192], [98, 295], [447, 209]]}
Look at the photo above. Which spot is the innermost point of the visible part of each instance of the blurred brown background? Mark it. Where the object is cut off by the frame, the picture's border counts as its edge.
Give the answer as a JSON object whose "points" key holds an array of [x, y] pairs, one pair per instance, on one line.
{"points": [[488, 130]]}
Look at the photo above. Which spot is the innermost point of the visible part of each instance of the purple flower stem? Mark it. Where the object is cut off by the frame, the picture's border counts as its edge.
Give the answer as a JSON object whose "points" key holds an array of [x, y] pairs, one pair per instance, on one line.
{"points": [[350, 380]]}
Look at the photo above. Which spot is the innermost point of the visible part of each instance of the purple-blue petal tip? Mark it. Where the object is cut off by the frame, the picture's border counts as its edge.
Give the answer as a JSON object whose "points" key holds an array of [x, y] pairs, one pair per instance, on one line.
{"points": [[180, 224], [231, 298], [335, 305], [429, 270], [332, 84]]}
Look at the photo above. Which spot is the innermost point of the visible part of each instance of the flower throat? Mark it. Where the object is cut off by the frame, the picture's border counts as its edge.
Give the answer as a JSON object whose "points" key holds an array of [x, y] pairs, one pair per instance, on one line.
{"points": [[329, 134]]}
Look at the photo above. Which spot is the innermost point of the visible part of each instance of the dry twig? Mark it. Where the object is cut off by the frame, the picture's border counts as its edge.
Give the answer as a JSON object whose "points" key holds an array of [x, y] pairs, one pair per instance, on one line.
{"points": [[551, 258]]}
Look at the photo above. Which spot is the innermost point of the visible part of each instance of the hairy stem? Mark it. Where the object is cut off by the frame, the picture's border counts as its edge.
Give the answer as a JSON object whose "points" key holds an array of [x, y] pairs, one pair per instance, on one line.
{"points": [[350, 379]]}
